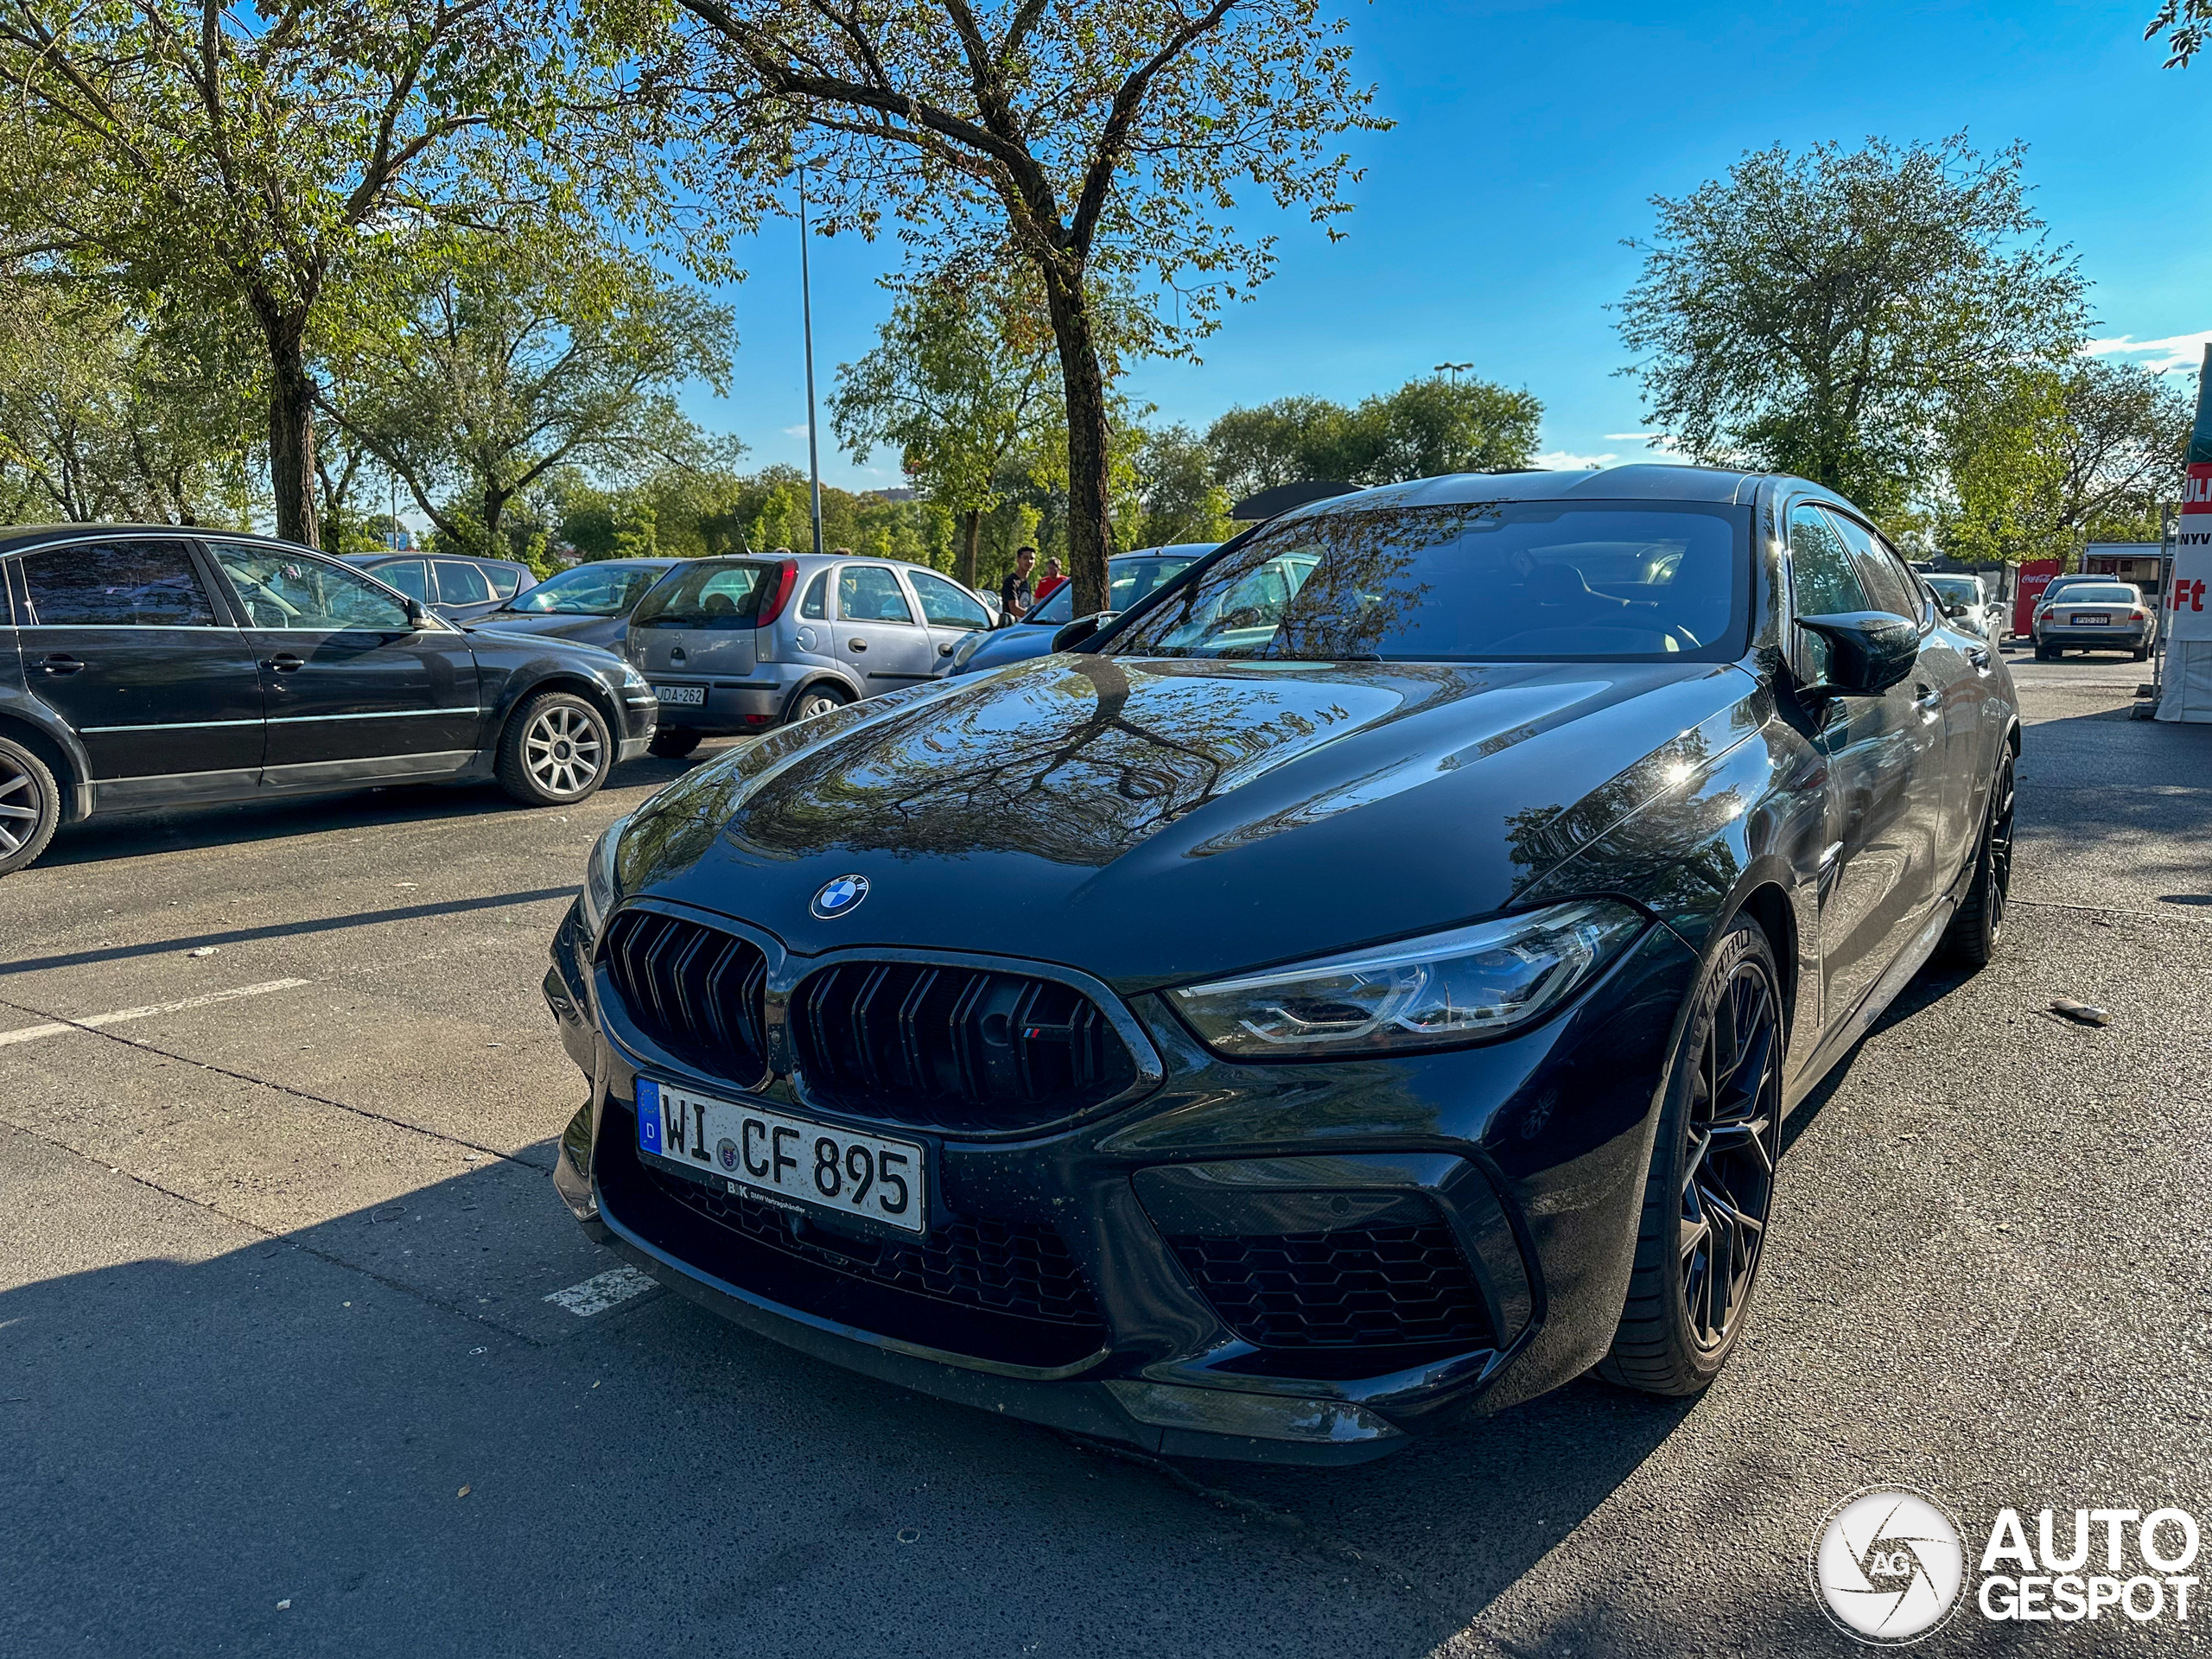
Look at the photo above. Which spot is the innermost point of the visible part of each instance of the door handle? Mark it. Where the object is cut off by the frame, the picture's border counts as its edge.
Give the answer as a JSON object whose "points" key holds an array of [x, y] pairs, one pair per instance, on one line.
{"points": [[60, 662], [857, 645], [284, 663]]}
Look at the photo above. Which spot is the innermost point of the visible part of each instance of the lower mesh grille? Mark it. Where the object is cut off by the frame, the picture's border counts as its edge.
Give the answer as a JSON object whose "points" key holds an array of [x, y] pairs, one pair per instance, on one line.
{"points": [[1366, 1287], [1004, 1291], [1010, 1266]]}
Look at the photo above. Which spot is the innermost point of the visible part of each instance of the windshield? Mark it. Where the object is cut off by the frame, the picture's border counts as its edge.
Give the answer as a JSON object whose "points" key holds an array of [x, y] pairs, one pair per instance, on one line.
{"points": [[1515, 581], [587, 590], [707, 594], [2093, 594], [1127, 581]]}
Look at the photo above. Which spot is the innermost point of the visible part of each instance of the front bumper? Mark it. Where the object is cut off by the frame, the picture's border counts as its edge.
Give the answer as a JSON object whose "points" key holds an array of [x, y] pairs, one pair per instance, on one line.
{"points": [[1531, 1155]]}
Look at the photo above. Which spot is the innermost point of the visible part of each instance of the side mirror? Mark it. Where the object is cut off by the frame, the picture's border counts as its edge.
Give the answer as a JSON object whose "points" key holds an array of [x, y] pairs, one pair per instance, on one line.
{"points": [[418, 615], [1080, 630], [1954, 610], [1869, 651]]}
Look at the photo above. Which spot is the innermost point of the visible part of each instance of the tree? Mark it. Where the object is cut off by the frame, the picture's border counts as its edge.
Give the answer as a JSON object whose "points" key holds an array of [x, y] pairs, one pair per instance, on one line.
{"points": [[961, 380], [2185, 24], [104, 418], [1818, 314], [1425, 427], [1172, 495], [1098, 142], [241, 159], [496, 359], [2038, 462]]}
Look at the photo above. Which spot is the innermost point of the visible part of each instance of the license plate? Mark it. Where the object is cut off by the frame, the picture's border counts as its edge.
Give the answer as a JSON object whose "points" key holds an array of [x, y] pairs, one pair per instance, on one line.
{"points": [[793, 1160], [690, 695], [2091, 622]]}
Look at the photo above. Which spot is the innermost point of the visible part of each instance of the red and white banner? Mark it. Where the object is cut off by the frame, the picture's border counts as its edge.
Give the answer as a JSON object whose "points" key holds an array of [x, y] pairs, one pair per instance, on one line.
{"points": [[2189, 595]]}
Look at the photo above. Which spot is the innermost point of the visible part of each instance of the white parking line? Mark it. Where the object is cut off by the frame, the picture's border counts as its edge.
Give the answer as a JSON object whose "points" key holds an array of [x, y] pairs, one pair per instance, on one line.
{"points": [[602, 1291], [54, 1028]]}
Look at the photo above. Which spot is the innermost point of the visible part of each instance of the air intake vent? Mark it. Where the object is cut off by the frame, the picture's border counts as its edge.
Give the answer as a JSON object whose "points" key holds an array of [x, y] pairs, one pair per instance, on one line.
{"points": [[694, 990], [1389, 1293], [960, 1049]]}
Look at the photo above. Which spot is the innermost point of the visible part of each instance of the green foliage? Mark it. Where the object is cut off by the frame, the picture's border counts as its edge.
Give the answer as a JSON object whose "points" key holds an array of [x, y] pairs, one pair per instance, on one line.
{"points": [[1171, 493], [238, 164], [1823, 314], [104, 418], [1426, 428], [2185, 24], [483, 364]]}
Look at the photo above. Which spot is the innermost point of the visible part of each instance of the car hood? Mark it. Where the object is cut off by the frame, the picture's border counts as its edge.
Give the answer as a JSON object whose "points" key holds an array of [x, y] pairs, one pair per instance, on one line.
{"points": [[1015, 643], [541, 638], [543, 625], [1150, 820]]}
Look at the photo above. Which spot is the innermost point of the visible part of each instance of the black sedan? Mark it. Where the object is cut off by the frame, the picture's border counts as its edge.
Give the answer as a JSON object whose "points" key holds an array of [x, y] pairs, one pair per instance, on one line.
{"points": [[1361, 985], [145, 666], [589, 603]]}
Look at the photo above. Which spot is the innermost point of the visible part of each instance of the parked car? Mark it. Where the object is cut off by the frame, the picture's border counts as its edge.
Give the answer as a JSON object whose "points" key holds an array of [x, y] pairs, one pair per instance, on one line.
{"points": [[1129, 577], [590, 603], [742, 644], [1307, 1010], [459, 589], [1976, 612], [144, 666], [2098, 614]]}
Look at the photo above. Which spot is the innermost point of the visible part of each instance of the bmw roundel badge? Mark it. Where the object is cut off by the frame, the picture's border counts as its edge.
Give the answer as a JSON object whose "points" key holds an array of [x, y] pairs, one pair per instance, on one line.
{"points": [[840, 897]]}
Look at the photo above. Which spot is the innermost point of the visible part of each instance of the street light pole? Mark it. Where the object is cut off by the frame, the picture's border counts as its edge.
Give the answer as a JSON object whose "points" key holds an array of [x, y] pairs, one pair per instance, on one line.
{"points": [[806, 316], [1452, 369]]}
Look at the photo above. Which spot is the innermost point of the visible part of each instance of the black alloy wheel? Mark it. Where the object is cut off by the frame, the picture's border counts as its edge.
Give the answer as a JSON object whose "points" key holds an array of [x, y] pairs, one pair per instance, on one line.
{"points": [[1710, 1190], [30, 806], [1979, 928]]}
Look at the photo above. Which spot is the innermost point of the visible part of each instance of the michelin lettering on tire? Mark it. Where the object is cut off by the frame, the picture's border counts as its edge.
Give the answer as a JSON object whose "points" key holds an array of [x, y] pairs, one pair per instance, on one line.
{"points": [[1887, 1566]]}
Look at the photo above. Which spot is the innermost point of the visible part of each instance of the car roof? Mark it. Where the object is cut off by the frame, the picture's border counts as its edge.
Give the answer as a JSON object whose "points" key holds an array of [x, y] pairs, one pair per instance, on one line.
{"points": [[1643, 481]]}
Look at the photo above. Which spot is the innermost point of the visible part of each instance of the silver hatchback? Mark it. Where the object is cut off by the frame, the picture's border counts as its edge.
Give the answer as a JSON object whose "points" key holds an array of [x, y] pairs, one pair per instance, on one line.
{"points": [[742, 645]]}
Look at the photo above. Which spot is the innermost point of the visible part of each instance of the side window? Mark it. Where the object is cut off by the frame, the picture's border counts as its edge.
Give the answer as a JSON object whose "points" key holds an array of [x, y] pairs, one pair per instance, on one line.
{"points": [[1889, 585], [462, 584], [505, 580], [410, 576], [117, 585], [282, 589], [945, 604], [1820, 566], [816, 606], [869, 593]]}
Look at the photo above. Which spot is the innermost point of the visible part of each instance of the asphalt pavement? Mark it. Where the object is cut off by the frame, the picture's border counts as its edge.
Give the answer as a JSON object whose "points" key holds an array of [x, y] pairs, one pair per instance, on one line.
{"points": [[300, 1354]]}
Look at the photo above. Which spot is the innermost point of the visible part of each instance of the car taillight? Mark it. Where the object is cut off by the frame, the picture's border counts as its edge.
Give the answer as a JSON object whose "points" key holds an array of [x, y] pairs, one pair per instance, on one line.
{"points": [[2139, 616], [772, 607]]}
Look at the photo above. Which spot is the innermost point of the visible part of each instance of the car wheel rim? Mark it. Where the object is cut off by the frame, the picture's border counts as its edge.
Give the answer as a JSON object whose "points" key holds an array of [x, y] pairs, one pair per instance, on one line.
{"points": [[1728, 1168], [2000, 851], [563, 751], [21, 809]]}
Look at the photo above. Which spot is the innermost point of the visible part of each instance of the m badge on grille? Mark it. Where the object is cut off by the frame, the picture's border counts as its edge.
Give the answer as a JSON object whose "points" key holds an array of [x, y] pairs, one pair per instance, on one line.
{"points": [[839, 897]]}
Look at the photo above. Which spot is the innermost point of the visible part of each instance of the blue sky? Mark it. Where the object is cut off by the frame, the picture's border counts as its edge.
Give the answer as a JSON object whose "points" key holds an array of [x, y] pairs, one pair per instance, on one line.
{"points": [[1529, 139]]}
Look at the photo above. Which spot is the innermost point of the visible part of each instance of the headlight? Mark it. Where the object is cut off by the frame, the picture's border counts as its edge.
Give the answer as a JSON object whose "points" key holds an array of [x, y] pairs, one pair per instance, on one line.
{"points": [[599, 875], [1426, 993], [633, 681]]}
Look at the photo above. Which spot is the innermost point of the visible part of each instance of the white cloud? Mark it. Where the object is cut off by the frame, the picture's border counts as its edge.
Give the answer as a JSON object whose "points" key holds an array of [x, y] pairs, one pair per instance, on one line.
{"points": [[2174, 352], [1636, 438], [798, 431], [1566, 460]]}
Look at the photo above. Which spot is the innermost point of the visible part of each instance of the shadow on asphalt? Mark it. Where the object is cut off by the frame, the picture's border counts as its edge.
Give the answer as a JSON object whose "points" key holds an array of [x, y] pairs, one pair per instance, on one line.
{"points": [[206, 1438], [188, 828]]}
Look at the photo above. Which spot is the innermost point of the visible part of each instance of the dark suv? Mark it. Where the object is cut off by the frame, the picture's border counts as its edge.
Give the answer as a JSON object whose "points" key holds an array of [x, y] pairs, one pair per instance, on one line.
{"points": [[148, 666]]}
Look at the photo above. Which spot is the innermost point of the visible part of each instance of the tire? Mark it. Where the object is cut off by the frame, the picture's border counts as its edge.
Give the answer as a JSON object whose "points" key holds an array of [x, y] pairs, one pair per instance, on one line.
{"points": [[30, 806], [2141, 653], [556, 751], [819, 699], [674, 743], [1978, 929], [2044, 654], [1711, 1179]]}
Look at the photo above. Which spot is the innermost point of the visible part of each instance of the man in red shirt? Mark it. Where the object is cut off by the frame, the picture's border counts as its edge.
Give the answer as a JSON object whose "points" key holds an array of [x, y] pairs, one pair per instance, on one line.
{"points": [[1049, 581]]}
